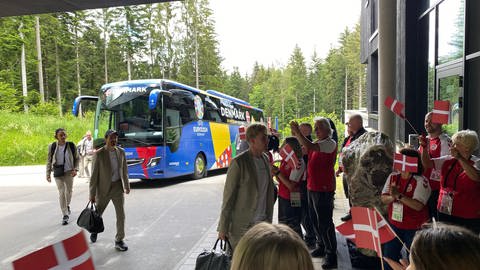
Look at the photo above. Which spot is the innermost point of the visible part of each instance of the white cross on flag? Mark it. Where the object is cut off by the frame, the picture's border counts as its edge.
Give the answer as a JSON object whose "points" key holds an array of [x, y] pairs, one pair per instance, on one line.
{"points": [[404, 163], [71, 253], [371, 229], [289, 156], [241, 133], [395, 106], [441, 112]]}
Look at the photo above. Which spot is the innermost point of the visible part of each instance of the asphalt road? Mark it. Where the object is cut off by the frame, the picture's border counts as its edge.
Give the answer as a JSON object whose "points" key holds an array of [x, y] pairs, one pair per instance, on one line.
{"points": [[164, 219]]}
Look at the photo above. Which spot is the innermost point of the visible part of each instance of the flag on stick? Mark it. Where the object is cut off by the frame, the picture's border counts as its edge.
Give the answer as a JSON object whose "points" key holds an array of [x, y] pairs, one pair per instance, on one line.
{"points": [[71, 253], [289, 156], [405, 163], [346, 229], [441, 112], [241, 133], [371, 229], [395, 106]]}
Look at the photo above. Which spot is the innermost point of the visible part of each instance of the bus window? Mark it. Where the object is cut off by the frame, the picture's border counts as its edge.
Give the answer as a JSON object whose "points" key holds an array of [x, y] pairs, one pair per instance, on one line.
{"points": [[173, 129]]}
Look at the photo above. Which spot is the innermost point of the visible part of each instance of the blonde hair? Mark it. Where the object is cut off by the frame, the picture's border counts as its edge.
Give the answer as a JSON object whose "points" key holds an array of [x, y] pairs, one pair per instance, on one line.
{"points": [[254, 129], [324, 124], [271, 247], [469, 138]]}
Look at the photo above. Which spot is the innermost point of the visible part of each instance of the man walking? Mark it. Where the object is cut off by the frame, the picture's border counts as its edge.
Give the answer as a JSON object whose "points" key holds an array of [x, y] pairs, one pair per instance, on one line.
{"points": [[85, 147], [248, 195], [109, 181], [355, 129]]}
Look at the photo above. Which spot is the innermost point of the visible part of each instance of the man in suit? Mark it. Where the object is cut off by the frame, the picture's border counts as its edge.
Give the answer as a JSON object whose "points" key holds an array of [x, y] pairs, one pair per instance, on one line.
{"points": [[109, 181], [248, 195]]}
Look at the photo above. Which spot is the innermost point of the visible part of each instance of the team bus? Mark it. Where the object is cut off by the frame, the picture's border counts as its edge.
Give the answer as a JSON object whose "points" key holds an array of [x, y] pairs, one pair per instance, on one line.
{"points": [[169, 129]]}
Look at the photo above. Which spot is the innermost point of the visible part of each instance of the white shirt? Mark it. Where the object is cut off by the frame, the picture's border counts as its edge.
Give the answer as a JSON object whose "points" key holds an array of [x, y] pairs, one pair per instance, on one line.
{"points": [[114, 165], [262, 189]]}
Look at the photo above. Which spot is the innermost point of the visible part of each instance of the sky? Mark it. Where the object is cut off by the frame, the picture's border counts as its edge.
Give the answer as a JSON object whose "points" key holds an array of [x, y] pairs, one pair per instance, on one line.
{"points": [[267, 31]]}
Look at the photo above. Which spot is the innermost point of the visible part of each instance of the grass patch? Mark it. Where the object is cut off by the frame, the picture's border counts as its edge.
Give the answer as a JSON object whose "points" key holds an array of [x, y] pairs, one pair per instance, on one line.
{"points": [[25, 137]]}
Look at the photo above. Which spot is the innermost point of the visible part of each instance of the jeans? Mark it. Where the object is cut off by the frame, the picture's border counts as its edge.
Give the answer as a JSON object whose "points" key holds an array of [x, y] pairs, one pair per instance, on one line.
{"points": [[393, 248]]}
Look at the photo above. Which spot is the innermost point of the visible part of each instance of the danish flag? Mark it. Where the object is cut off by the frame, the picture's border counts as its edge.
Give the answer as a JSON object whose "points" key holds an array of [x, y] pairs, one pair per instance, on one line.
{"points": [[371, 229], [289, 156], [241, 133], [395, 106], [71, 253], [346, 229], [441, 111], [405, 163]]}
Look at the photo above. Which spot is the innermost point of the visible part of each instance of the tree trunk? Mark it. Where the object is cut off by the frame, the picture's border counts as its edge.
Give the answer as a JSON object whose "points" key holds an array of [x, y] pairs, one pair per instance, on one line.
{"points": [[105, 43], [77, 62], [23, 70], [39, 59], [57, 75]]}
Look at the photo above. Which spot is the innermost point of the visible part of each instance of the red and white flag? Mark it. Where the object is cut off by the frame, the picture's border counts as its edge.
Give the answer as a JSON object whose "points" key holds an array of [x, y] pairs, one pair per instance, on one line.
{"points": [[441, 111], [346, 229], [371, 229], [71, 253], [395, 106], [242, 133], [405, 163], [288, 155]]}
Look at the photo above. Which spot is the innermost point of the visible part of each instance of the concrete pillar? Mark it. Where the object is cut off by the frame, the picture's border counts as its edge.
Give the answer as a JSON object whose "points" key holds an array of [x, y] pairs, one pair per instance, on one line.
{"points": [[386, 64]]}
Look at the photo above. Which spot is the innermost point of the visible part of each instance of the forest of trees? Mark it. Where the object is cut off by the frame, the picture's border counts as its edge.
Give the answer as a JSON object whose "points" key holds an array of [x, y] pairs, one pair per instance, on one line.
{"points": [[47, 60]]}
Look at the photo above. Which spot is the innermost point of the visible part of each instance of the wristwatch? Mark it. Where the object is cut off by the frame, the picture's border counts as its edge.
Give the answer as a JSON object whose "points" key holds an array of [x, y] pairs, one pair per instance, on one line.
{"points": [[400, 197]]}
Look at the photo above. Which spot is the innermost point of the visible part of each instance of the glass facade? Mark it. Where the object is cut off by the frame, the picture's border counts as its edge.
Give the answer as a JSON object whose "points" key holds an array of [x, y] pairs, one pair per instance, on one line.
{"points": [[451, 30], [430, 19]]}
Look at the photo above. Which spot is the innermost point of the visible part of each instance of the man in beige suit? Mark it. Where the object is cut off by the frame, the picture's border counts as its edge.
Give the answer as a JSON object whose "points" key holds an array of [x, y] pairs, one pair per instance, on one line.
{"points": [[109, 180], [248, 195]]}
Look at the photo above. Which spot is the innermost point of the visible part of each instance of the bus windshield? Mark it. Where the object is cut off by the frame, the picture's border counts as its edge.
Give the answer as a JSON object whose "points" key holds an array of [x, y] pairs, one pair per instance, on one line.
{"points": [[136, 123]]}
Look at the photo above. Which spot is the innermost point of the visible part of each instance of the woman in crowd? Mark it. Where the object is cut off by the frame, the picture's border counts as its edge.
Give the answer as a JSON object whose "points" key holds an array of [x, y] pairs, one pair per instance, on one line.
{"points": [[406, 195], [459, 199], [271, 247], [442, 247], [63, 162], [289, 200]]}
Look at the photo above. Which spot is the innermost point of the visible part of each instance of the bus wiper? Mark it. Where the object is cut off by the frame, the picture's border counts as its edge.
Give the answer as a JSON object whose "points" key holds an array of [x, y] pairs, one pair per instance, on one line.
{"points": [[135, 140]]}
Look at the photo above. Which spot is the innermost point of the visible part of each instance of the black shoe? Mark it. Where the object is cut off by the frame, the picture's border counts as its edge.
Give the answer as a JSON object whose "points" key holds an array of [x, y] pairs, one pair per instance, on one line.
{"points": [[93, 237], [330, 262], [121, 246], [68, 210], [65, 220], [347, 217], [319, 252]]}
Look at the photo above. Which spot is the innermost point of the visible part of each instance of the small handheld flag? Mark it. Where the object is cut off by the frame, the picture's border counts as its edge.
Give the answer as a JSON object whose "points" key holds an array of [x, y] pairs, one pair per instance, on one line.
{"points": [[405, 163], [289, 156], [395, 106], [441, 112]]}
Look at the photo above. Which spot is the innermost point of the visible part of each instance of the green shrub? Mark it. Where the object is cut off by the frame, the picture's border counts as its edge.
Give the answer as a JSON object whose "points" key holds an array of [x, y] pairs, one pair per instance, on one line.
{"points": [[26, 137], [45, 109]]}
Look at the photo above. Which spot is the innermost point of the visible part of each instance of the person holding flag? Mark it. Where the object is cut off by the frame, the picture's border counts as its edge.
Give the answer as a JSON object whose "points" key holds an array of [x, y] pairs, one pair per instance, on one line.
{"points": [[459, 198], [290, 176], [437, 144], [406, 193], [321, 187]]}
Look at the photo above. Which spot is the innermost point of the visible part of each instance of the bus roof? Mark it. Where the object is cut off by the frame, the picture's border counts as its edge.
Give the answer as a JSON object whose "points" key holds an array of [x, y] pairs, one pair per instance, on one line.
{"points": [[163, 82]]}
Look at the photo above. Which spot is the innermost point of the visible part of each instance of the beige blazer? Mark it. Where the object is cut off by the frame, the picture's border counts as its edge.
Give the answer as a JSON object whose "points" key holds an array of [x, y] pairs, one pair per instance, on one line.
{"points": [[101, 178], [240, 197]]}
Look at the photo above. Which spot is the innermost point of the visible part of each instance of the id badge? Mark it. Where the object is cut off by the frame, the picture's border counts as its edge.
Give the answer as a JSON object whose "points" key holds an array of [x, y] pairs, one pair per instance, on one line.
{"points": [[295, 199], [435, 175], [397, 211], [446, 204]]}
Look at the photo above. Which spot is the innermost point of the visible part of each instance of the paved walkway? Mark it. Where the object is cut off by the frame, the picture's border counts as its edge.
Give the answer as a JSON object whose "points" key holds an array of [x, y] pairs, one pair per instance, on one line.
{"points": [[208, 240]]}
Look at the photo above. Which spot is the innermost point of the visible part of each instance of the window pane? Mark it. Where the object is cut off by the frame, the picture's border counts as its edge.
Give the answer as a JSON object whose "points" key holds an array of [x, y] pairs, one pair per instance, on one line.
{"points": [[450, 30], [449, 88], [431, 59]]}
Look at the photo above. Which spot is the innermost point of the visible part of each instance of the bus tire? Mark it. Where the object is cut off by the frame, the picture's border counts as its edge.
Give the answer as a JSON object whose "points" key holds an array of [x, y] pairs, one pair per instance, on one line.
{"points": [[200, 167]]}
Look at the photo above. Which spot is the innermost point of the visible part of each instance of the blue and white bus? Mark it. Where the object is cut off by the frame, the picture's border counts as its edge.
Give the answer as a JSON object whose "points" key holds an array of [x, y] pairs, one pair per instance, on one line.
{"points": [[169, 129]]}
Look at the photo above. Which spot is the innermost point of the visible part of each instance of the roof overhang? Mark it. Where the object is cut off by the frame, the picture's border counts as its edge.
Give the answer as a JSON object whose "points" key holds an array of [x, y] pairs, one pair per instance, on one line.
{"points": [[27, 7]]}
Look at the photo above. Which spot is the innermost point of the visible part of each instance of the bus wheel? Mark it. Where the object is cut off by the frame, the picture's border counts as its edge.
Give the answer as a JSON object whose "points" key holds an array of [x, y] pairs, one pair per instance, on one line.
{"points": [[200, 167]]}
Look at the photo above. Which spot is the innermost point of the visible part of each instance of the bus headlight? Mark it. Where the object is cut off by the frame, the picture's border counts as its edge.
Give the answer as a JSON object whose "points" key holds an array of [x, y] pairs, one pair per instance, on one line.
{"points": [[154, 162]]}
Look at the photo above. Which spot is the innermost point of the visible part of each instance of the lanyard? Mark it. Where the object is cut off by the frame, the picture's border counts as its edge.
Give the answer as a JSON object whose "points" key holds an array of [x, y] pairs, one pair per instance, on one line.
{"points": [[448, 174], [398, 181]]}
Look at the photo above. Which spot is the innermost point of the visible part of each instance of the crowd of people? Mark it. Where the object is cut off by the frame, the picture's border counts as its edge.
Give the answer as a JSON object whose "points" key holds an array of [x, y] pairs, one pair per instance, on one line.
{"points": [[444, 189]]}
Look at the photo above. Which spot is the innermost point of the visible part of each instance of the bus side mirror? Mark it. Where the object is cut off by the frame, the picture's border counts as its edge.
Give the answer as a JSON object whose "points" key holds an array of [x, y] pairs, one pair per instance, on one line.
{"points": [[78, 100], [153, 97]]}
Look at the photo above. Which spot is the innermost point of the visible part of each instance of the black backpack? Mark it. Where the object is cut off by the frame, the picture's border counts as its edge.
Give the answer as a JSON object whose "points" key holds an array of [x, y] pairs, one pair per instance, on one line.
{"points": [[72, 148]]}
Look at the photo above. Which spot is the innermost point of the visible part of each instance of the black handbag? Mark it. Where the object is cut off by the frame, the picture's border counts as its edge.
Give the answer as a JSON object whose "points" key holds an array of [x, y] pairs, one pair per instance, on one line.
{"points": [[58, 170], [90, 219], [215, 260]]}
